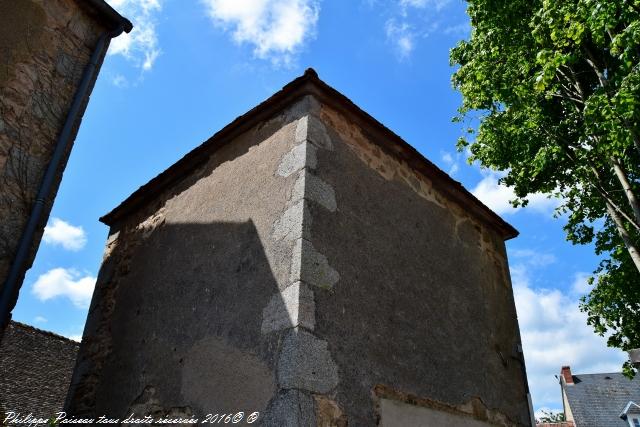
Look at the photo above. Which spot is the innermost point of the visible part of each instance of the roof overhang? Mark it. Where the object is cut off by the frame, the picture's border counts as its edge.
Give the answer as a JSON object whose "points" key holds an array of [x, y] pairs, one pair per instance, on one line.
{"points": [[627, 408], [104, 13], [310, 84]]}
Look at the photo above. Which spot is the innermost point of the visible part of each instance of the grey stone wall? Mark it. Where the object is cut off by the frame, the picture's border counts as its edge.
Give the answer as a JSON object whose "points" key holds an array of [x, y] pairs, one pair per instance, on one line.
{"points": [[305, 274], [35, 370], [44, 48]]}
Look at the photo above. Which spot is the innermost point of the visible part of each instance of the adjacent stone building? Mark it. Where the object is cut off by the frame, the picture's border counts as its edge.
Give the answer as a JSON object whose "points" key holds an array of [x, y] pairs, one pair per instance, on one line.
{"points": [[35, 371], [50, 54], [307, 264]]}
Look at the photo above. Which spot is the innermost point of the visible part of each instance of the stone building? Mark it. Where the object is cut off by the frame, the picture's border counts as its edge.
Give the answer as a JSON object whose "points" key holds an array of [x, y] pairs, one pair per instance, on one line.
{"points": [[307, 264], [35, 371], [50, 52]]}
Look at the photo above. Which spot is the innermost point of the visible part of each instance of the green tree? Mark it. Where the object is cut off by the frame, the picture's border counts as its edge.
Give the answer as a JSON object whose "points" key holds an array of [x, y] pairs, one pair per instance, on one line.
{"points": [[555, 86], [551, 417]]}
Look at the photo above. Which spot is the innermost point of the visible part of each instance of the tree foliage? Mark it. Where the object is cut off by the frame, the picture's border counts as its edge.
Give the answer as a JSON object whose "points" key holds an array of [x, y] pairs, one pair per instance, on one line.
{"points": [[556, 88], [551, 417]]}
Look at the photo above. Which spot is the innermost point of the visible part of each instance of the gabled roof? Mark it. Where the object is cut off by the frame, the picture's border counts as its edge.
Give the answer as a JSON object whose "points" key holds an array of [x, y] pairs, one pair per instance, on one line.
{"points": [[632, 407], [310, 84], [596, 400]]}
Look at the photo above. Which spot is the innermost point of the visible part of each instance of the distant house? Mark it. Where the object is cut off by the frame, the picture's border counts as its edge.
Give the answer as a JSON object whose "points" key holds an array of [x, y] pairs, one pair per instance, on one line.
{"points": [[631, 413], [35, 370], [599, 400]]}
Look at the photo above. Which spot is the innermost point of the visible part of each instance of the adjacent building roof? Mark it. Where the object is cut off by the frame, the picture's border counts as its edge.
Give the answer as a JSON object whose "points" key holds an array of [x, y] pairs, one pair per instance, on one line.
{"points": [[35, 370], [310, 84], [596, 400], [104, 13], [631, 408]]}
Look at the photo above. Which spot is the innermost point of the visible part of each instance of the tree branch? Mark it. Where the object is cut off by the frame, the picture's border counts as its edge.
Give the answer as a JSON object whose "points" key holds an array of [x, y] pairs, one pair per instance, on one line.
{"points": [[622, 177], [592, 62], [598, 184], [605, 195], [626, 238], [567, 98], [574, 82]]}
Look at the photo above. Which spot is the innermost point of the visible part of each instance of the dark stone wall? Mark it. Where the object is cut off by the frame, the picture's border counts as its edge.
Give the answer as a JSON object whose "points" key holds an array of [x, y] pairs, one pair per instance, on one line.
{"points": [[44, 48], [35, 370]]}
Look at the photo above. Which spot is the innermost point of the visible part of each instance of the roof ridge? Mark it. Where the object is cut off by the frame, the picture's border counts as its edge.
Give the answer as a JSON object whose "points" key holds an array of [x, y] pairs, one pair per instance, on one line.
{"points": [[43, 332], [599, 373], [310, 84]]}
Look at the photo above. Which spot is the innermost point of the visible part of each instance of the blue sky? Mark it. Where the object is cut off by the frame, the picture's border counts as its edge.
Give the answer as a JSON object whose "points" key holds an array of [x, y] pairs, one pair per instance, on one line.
{"points": [[190, 67]]}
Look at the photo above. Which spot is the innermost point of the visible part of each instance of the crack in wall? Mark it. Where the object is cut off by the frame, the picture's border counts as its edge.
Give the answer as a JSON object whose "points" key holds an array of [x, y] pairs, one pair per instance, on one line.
{"points": [[294, 305]]}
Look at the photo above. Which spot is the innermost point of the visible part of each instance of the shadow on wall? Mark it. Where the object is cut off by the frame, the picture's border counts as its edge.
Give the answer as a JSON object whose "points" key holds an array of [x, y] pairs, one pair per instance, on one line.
{"points": [[176, 319], [175, 325]]}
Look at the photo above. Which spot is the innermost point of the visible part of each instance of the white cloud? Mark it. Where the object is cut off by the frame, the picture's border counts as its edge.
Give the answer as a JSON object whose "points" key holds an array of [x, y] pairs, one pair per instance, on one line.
{"points": [[533, 258], [555, 333], [40, 319], [120, 81], [497, 196], [75, 337], [141, 44], [401, 36], [421, 4], [61, 233], [74, 333], [412, 20], [451, 162], [458, 30], [276, 28], [580, 285], [67, 283]]}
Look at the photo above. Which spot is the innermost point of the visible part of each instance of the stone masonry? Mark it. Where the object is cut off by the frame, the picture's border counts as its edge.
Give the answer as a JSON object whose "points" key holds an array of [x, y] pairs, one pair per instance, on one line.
{"points": [[307, 264], [44, 47]]}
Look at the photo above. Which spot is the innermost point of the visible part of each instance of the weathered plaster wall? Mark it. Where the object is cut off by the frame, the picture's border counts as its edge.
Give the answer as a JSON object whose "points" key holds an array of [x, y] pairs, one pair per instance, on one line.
{"points": [[395, 413], [304, 274], [423, 305], [188, 315], [44, 47]]}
